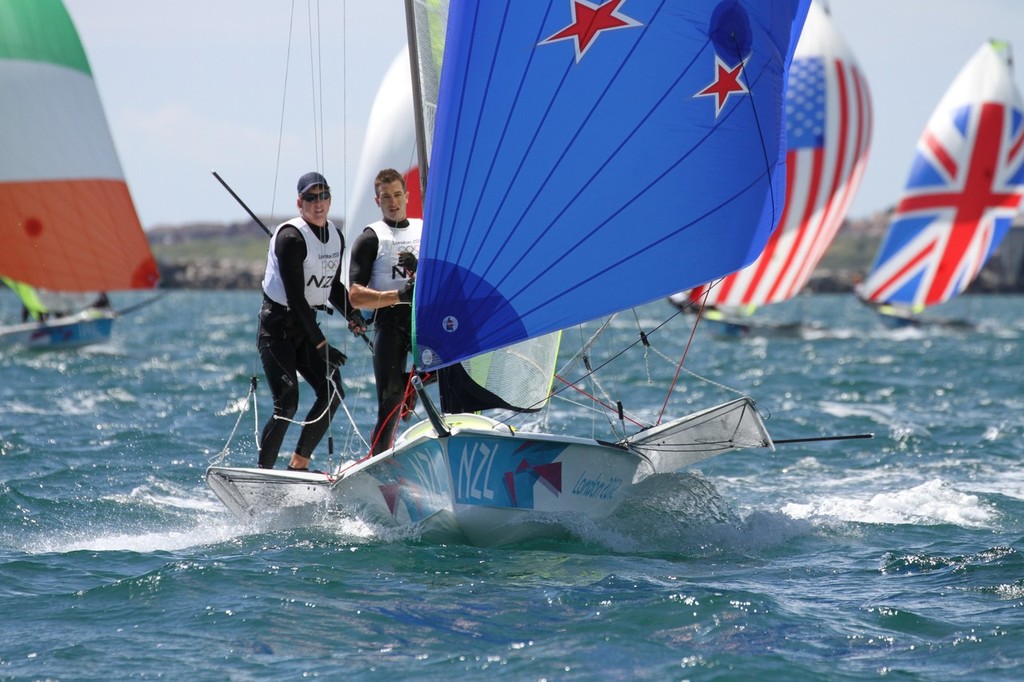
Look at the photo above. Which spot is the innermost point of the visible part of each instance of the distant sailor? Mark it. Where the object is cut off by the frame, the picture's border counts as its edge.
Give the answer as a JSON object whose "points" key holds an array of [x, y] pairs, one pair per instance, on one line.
{"points": [[302, 275]]}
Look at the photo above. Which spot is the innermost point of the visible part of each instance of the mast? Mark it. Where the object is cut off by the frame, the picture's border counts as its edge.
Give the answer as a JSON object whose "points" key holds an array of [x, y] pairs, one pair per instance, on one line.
{"points": [[417, 93]]}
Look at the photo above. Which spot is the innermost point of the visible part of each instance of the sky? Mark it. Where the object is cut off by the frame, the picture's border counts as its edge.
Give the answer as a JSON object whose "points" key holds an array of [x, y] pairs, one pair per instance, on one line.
{"points": [[192, 86]]}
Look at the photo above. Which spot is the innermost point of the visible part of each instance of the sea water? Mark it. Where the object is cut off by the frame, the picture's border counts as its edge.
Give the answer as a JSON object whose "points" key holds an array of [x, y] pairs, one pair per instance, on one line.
{"points": [[898, 557]]}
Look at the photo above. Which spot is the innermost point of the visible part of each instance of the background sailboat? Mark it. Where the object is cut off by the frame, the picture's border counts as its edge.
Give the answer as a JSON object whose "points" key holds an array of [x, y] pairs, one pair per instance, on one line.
{"points": [[964, 190], [828, 126], [390, 142], [561, 140], [66, 216]]}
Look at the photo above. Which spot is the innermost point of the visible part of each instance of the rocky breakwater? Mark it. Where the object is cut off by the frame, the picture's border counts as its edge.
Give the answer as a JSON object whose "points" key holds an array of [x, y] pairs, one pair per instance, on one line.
{"points": [[215, 273], [210, 255]]}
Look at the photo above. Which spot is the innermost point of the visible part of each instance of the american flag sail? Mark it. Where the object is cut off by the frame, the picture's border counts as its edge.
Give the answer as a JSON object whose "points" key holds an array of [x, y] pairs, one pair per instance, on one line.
{"points": [[964, 189], [828, 129]]}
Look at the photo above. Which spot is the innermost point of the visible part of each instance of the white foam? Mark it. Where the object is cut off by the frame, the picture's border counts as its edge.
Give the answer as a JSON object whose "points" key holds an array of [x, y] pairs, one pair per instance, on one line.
{"points": [[809, 332], [206, 529], [1000, 481], [881, 414], [143, 542], [162, 494], [932, 503]]}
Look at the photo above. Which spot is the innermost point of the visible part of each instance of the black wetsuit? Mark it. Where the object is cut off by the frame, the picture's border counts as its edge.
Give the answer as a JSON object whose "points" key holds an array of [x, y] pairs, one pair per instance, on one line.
{"points": [[287, 341], [392, 342]]}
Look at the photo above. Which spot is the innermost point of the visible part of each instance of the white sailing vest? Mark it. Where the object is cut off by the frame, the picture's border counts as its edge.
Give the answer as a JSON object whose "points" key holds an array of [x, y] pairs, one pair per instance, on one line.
{"points": [[322, 261], [387, 275]]}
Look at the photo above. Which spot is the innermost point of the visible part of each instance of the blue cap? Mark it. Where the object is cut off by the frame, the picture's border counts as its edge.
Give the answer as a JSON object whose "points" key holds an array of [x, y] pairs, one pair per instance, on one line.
{"points": [[311, 180]]}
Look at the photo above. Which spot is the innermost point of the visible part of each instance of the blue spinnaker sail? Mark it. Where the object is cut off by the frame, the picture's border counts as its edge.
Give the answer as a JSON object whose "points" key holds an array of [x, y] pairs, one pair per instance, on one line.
{"points": [[588, 158]]}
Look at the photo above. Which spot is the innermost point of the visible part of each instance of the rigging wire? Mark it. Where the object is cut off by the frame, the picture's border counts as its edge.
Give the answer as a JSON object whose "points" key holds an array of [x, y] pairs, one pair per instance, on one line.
{"points": [[284, 100], [316, 81], [682, 358], [250, 398], [315, 41], [609, 405], [344, 105]]}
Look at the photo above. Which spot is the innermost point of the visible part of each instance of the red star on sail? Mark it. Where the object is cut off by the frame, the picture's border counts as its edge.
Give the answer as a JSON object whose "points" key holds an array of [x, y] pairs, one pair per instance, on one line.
{"points": [[727, 81], [588, 21]]}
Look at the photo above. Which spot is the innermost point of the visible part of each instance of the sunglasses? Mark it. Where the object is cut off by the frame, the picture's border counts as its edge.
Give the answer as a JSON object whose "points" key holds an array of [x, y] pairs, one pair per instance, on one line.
{"points": [[316, 196]]}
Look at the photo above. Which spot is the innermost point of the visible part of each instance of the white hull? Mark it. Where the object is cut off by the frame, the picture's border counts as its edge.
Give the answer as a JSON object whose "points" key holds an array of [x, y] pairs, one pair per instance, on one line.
{"points": [[72, 331], [487, 485]]}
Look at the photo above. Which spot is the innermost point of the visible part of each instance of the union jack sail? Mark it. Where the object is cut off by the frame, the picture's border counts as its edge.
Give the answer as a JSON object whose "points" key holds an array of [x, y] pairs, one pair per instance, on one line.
{"points": [[828, 129], [964, 189]]}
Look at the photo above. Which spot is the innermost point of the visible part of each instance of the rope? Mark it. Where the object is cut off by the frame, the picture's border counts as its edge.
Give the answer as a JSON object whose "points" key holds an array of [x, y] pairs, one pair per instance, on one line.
{"points": [[326, 413], [682, 358], [594, 399], [249, 398], [392, 414]]}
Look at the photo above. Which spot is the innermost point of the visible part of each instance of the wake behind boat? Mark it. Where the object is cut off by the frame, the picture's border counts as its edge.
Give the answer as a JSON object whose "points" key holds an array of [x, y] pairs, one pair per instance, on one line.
{"points": [[552, 199]]}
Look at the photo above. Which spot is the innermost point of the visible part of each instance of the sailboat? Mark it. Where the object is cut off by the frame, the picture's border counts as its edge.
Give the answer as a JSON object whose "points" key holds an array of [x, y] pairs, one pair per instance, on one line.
{"points": [[964, 190], [58, 320], [390, 142], [828, 122], [575, 148], [67, 218]]}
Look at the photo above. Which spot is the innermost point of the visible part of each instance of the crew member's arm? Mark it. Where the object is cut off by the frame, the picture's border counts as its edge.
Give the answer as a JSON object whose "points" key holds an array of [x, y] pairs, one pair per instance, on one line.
{"points": [[339, 298], [364, 252]]}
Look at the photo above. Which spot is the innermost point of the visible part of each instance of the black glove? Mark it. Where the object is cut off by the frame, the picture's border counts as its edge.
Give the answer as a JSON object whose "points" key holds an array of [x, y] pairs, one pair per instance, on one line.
{"points": [[405, 293], [356, 322], [335, 358], [407, 260]]}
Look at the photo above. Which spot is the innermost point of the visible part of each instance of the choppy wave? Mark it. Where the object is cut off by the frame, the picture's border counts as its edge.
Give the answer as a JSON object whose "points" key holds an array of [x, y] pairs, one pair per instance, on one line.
{"points": [[898, 556], [932, 503]]}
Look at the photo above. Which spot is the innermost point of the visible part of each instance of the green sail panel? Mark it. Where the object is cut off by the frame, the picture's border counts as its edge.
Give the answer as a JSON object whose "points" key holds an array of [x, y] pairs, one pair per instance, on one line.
{"points": [[28, 296], [68, 220], [41, 31]]}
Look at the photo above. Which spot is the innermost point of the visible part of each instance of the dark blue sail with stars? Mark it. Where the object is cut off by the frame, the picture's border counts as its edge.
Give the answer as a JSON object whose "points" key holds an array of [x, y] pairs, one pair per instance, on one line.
{"points": [[590, 157]]}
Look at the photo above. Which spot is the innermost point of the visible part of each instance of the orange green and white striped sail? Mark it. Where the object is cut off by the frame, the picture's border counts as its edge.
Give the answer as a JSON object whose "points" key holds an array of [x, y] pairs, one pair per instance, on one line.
{"points": [[67, 219]]}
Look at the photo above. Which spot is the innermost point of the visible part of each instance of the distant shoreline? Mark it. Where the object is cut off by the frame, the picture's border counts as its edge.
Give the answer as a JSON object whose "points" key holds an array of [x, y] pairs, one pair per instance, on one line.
{"points": [[233, 256]]}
